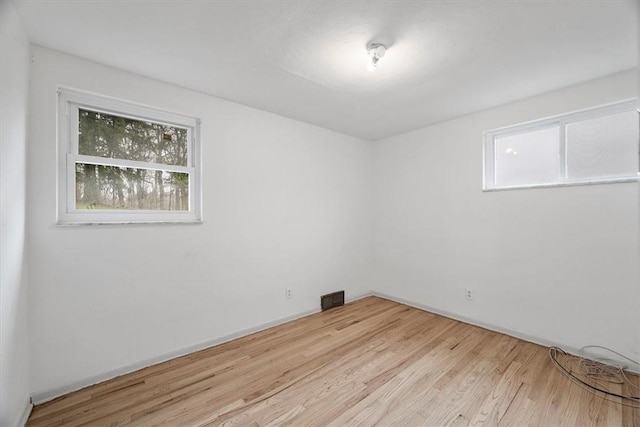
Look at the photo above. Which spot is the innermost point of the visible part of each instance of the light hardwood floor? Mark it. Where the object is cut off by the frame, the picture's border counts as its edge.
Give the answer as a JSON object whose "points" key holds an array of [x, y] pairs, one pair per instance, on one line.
{"points": [[369, 362]]}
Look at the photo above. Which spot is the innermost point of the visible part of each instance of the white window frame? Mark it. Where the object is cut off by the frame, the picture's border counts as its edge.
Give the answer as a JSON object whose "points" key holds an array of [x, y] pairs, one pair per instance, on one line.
{"points": [[489, 172], [69, 103]]}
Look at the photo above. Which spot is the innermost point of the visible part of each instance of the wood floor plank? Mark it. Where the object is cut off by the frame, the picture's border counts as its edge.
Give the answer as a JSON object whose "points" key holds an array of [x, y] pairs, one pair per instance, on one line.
{"points": [[370, 362], [500, 397]]}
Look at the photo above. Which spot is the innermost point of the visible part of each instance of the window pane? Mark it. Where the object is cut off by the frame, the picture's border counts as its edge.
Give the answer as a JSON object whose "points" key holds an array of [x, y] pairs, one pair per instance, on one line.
{"points": [[112, 187], [107, 135], [527, 158], [603, 147]]}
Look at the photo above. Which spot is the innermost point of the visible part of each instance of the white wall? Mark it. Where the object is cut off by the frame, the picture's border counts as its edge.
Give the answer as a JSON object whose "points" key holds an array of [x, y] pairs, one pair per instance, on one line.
{"points": [[14, 78], [557, 264], [286, 204]]}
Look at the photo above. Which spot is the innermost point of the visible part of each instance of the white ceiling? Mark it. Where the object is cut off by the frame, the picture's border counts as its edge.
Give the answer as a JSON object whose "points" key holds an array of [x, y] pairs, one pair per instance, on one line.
{"points": [[307, 59]]}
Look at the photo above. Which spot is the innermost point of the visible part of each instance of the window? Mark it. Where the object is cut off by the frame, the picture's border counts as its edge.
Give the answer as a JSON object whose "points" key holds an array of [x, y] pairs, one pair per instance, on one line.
{"points": [[592, 146], [121, 162]]}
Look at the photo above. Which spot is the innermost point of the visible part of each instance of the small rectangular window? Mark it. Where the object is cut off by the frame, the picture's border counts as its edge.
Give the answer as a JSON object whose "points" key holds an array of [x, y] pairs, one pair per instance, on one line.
{"points": [[121, 162], [592, 146]]}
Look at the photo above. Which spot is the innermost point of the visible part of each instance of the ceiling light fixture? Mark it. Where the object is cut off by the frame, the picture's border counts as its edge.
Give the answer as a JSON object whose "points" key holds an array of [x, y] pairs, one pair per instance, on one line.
{"points": [[376, 51]]}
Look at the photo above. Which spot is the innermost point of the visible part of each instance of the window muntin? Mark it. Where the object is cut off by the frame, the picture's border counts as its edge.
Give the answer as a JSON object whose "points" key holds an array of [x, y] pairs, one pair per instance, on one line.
{"points": [[121, 162], [591, 146]]}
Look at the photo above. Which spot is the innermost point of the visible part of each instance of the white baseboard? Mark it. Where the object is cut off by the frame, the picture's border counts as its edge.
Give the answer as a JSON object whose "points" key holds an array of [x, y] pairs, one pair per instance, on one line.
{"points": [[25, 414], [38, 398], [495, 328]]}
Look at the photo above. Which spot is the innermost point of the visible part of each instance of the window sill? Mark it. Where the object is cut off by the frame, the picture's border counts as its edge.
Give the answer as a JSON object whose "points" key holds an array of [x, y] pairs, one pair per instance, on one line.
{"points": [[563, 184], [100, 223], [141, 217]]}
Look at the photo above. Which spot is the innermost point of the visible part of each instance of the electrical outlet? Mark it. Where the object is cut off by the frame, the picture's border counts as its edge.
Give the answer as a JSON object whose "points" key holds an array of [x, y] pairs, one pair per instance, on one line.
{"points": [[288, 293], [468, 293]]}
